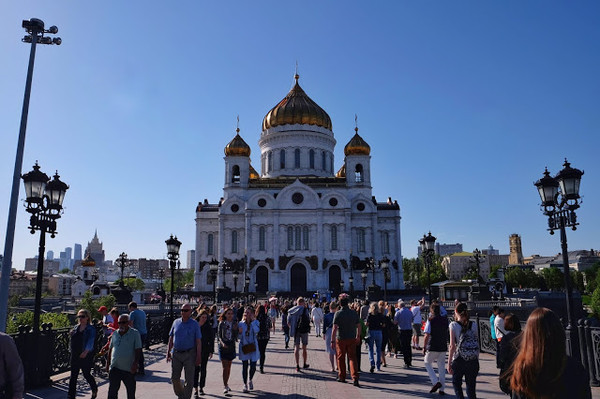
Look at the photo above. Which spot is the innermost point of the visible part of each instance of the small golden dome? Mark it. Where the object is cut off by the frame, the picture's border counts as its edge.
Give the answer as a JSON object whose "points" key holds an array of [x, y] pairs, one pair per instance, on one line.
{"points": [[357, 146], [237, 147], [296, 108], [253, 173], [88, 261], [341, 172]]}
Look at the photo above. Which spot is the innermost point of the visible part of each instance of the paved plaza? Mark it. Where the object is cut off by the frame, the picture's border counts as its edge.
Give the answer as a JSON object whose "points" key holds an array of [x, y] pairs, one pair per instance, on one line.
{"points": [[282, 381]]}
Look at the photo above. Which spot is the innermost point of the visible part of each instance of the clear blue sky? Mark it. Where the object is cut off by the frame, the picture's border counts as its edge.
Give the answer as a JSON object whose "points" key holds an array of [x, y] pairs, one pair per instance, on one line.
{"points": [[463, 104]]}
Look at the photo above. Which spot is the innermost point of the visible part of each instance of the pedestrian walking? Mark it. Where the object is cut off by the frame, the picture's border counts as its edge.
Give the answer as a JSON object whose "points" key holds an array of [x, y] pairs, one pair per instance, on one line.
{"points": [[299, 323], [137, 320], [317, 318], [273, 313], [83, 338], [227, 335], [263, 336], [107, 321], [208, 339], [345, 336], [123, 359], [404, 320], [435, 346], [12, 376], [248, 347], [284, 326], [375, 323], [463, 357], [542, 368], [415, 308], [184, 351], [508, 349], [327, 329], [500, 331]]}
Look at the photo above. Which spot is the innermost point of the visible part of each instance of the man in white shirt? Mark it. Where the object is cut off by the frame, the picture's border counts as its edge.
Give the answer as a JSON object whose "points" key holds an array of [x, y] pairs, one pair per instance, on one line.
{"points": [[499, 329]]}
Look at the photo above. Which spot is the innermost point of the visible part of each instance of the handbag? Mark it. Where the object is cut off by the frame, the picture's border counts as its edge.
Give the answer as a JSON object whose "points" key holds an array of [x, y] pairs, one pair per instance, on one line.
{"points": [[249, 348]]}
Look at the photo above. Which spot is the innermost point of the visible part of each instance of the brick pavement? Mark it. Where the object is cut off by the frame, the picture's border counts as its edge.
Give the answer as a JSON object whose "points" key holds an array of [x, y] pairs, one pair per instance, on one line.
{"points": [[282, 381]]}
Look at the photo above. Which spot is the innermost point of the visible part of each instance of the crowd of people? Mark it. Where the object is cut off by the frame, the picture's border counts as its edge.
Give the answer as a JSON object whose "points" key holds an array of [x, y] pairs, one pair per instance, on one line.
{"points": [[532, 363]]}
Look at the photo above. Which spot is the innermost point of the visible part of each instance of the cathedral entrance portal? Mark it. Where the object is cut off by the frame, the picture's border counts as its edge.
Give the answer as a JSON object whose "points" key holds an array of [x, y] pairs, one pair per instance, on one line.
{"points": [[335, 276], [262, 279], [298, 279]]}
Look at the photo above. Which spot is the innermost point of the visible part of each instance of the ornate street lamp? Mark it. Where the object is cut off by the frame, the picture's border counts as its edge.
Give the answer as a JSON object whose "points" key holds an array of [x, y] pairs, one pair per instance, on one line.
{"points": [[560, 198], [477, 257], [213, 266], [341, 286], [44, 200], [428, 250], [385, 266], [236, 275], [173, 245], [247, 286], [363, 276], [351, 282], [35, 34], [122, 262]]}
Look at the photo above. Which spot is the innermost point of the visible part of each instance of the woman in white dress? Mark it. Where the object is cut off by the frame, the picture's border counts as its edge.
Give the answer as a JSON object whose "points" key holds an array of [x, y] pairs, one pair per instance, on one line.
{"points": [[317, 318]]}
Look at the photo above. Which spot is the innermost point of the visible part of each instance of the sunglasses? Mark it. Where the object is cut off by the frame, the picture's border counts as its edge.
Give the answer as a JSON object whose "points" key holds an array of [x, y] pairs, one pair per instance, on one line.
{"points": [[81, 316], [186, 310]]}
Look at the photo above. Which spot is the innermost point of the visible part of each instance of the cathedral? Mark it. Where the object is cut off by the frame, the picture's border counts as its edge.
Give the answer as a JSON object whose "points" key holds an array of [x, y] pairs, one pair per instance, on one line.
{"points": [[298, 226]]}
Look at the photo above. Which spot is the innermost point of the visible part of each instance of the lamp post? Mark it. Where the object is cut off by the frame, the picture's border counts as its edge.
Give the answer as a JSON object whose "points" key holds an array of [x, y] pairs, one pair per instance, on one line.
{"points": [[214, 269], [477, 258], [341, 286], [363, 276], [35, 34], [247, 286], [428, 249], [44, 200], [351, 278], [173, 245], [236, 275], [560, 199], [122, 263], [372, 266], [385, 266]]}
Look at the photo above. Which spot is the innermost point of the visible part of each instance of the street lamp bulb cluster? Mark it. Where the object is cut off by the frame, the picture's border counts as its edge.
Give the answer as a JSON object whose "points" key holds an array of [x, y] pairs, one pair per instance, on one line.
{"points": [[35, 29], [561, 190]]}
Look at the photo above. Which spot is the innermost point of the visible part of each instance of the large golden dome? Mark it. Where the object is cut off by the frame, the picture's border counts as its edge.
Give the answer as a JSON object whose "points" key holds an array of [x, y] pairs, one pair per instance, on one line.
{"points": [[357, 146], [296, 108], [237, 147]]}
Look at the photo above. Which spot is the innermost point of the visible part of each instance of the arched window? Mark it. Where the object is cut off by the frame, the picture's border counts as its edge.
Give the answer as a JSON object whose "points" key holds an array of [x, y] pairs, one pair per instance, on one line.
{"points": [[282, 159], [261, 238], [334, 243], [234, 242], [269, 161], [358, 173], [305, 237], [385, 242], [331, 162], [235, 174], [210, 245], [290, 232], [311, 158], [323, 161], [361, 240], [298, 238], [297, 157]]}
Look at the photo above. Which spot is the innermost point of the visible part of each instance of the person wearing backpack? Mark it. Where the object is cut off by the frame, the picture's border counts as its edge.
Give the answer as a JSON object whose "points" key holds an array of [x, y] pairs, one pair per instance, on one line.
{"points": [[264, 334], [299, 323], [463, 356]]}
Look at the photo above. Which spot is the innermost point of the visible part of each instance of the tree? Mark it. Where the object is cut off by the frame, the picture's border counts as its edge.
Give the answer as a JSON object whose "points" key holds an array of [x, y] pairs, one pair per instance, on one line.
{"points": [[553, 277], [516, 277], [66, 270], [595, 305], [136, 284], [577, 280], [15, 320], [591, 277], [91, 304], [494, 271], [181, 280]]}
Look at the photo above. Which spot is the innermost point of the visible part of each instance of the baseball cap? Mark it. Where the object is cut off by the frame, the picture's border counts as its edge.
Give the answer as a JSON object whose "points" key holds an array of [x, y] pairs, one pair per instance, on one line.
{"points": [[102, 309]]}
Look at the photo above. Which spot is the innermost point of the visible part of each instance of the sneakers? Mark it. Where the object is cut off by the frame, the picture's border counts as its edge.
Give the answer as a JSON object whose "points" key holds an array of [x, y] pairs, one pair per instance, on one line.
{"points": [[226, 389], [306, 366], [245, 390], [437, 386], [201, 391], [262, 370], [372, 369], [251, 385], [356, 384], [196, 395], [297, 367]]}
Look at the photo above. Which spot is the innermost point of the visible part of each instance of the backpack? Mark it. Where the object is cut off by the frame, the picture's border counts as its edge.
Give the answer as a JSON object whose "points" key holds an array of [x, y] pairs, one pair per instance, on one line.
{"points": [[468, 343], [303, 323]]}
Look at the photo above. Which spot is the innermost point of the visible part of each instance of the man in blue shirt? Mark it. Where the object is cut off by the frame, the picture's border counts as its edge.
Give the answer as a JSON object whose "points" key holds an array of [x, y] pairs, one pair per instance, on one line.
{"points": [[404, 320], [123, 358], [137, 320], [185, 351]]}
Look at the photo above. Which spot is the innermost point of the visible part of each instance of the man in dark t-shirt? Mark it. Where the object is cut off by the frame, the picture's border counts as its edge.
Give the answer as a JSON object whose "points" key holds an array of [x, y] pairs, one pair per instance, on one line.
{"points": [[345, 335]]}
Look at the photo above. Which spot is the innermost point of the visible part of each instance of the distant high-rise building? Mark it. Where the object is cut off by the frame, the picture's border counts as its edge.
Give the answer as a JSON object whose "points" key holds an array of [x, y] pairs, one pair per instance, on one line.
{"points": [[490, 251], [50, 255], [515, 256], [191, 259], [94, 249], [77, 252], [445, 249]]}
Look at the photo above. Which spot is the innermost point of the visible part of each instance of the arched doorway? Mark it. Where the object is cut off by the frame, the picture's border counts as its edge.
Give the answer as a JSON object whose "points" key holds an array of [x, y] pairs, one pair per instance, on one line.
{"points": [[262, 279], [298, 279], [335, 276]]}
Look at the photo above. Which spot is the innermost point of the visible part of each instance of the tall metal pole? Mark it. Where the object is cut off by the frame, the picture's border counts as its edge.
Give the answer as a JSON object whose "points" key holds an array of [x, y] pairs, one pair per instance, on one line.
{"points": [[38, 282], [14, 194], [429, 259], [566, 272], [172, 266]]}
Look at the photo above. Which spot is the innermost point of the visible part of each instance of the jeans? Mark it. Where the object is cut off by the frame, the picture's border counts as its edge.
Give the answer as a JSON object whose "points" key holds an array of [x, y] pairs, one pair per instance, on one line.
{"points": [[245, 370], [187, 362], [115, 376], [85, 365], [405, 337], [469, 369], [343, 347], [375, 338], [440, 359], [262, 348], [200, 371]]}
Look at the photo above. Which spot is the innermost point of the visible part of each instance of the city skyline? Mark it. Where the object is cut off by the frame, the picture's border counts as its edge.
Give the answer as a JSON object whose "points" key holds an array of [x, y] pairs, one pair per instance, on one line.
{"points": [[463, 107]]}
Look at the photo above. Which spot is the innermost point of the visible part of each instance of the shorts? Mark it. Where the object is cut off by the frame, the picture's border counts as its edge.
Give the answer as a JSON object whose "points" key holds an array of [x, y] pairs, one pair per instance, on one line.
{"points": [[416, 329], [301, 337]]}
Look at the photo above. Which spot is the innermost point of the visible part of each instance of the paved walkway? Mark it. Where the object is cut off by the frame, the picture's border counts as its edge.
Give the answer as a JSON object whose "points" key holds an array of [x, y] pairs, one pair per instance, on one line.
{"points": [[282, 381]]}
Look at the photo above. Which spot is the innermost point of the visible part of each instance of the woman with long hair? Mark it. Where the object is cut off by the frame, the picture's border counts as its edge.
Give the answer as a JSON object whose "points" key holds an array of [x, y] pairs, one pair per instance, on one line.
{"points": [[264, 334], [463, 357], [327, 325], [375, 323], [83, 337], [227, 334], [248, 329], [284, 326], [385, 334], [542, 368], [208, 344]]}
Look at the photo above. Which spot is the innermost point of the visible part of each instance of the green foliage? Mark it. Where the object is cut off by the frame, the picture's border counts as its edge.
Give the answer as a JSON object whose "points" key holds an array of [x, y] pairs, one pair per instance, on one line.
{"points": [[181, 280], [415, 272], [554, 278], [136, 284], [592, 277], [596, 302], [516, 277], [577, 280], [91, 304], [66, 270], [494, 271], [13, 301], [15, 320]]}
